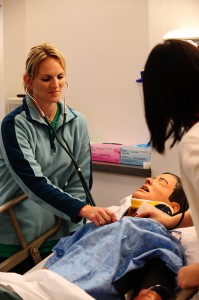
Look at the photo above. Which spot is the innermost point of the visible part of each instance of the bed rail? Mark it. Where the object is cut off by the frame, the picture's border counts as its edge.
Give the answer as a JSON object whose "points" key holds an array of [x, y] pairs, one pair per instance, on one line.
{"points": [[31, 248]]}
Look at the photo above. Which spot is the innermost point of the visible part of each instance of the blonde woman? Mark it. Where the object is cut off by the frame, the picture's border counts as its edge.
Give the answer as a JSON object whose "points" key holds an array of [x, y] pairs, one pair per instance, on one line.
{"points": [[33, 161]]}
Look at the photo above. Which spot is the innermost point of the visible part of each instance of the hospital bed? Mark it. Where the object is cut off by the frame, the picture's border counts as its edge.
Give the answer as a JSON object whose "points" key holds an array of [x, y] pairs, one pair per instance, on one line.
{"points": [[24, 285]]}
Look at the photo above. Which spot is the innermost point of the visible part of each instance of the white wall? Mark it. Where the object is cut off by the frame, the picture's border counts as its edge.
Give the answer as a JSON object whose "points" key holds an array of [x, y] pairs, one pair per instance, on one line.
{"points": [[14, 42], [106, 44]]}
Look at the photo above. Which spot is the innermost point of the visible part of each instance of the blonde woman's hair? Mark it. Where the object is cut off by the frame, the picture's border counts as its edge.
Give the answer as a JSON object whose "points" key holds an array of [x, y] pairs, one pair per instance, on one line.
{"points": [[37, 54]]}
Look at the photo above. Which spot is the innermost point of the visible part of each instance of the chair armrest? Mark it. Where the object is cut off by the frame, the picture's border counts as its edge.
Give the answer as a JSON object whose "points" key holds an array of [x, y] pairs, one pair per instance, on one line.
{"points": [[26, 249], [12, 202]]}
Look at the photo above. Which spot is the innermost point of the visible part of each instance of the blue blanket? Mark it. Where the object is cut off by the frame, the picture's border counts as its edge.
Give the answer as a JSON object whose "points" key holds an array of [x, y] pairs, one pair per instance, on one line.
{"points": [[94, 257]]}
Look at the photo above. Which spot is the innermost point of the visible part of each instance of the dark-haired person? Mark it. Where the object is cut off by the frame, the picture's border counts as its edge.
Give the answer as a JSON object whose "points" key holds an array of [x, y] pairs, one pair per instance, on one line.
{"points": [[171, 103], [132, 256]]}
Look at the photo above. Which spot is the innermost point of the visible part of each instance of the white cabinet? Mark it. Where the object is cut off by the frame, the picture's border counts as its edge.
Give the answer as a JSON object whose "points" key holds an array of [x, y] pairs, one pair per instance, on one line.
{"points": [[14, 103]]}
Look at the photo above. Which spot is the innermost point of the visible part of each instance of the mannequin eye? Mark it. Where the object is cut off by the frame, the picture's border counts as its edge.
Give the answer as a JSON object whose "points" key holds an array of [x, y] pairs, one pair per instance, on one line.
{"points": [[163, 181]]}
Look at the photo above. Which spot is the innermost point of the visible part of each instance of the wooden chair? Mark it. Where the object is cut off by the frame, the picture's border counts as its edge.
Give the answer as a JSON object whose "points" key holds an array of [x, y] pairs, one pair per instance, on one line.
{"points": [[31, 248]]}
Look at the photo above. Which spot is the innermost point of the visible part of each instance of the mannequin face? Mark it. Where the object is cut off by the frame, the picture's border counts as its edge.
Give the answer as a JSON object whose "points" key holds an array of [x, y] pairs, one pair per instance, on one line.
{"points": [[158, 189]]}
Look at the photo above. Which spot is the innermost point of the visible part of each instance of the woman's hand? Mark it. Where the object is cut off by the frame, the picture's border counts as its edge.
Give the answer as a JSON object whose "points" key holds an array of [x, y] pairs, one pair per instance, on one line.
{"points": [[159, 216], [98, 215], [188, 276], [166, 220]]}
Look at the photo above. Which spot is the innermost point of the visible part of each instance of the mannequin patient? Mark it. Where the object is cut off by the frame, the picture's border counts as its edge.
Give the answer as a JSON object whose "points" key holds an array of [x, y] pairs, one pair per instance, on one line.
{"points": [[134, 258]]}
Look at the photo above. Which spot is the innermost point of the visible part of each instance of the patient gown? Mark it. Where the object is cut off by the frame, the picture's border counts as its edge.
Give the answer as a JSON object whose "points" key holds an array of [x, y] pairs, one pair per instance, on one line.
{"points": [[94, 257]]}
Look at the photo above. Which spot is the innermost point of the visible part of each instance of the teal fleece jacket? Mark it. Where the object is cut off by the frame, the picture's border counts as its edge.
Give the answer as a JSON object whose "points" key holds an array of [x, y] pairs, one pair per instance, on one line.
{"points": [[34, 163]]}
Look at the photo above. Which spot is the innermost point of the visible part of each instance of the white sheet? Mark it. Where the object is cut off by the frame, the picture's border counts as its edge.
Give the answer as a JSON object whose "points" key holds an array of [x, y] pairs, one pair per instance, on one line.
{"points": [[43, 285]]}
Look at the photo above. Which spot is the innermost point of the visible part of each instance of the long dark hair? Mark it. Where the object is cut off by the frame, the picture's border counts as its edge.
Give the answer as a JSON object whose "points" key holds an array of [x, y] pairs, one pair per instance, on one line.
{"points": [[171, 91]]}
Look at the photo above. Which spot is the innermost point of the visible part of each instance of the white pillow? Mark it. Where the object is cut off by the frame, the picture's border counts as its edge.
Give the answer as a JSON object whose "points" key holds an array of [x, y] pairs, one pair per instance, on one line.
{"points": [[190, 243]]}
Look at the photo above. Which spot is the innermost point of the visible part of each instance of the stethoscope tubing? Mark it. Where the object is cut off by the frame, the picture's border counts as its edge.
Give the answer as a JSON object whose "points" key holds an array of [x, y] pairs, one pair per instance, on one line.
{"points": [[66, 146]]}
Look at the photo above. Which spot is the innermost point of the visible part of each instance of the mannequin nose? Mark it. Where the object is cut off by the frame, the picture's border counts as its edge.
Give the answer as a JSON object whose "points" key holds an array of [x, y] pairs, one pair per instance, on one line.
{"points": [[149, 180]]}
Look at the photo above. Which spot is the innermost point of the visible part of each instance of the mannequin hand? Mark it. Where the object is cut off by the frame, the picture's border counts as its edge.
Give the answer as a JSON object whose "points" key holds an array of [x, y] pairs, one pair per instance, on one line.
{"points": [[98, 215]]}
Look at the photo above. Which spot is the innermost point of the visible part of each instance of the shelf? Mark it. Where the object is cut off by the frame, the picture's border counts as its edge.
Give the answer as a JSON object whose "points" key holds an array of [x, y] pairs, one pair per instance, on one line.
{"points": [[120, 169]]}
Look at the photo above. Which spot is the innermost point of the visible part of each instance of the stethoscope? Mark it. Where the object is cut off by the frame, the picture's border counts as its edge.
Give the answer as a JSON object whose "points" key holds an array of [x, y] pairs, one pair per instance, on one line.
{"points": [[65, 146]]}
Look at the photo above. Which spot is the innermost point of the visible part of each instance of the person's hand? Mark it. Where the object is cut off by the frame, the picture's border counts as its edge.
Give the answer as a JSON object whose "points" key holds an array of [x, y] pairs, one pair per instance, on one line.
{"points": [[188, 276], [98, 215], [159, 216]]}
